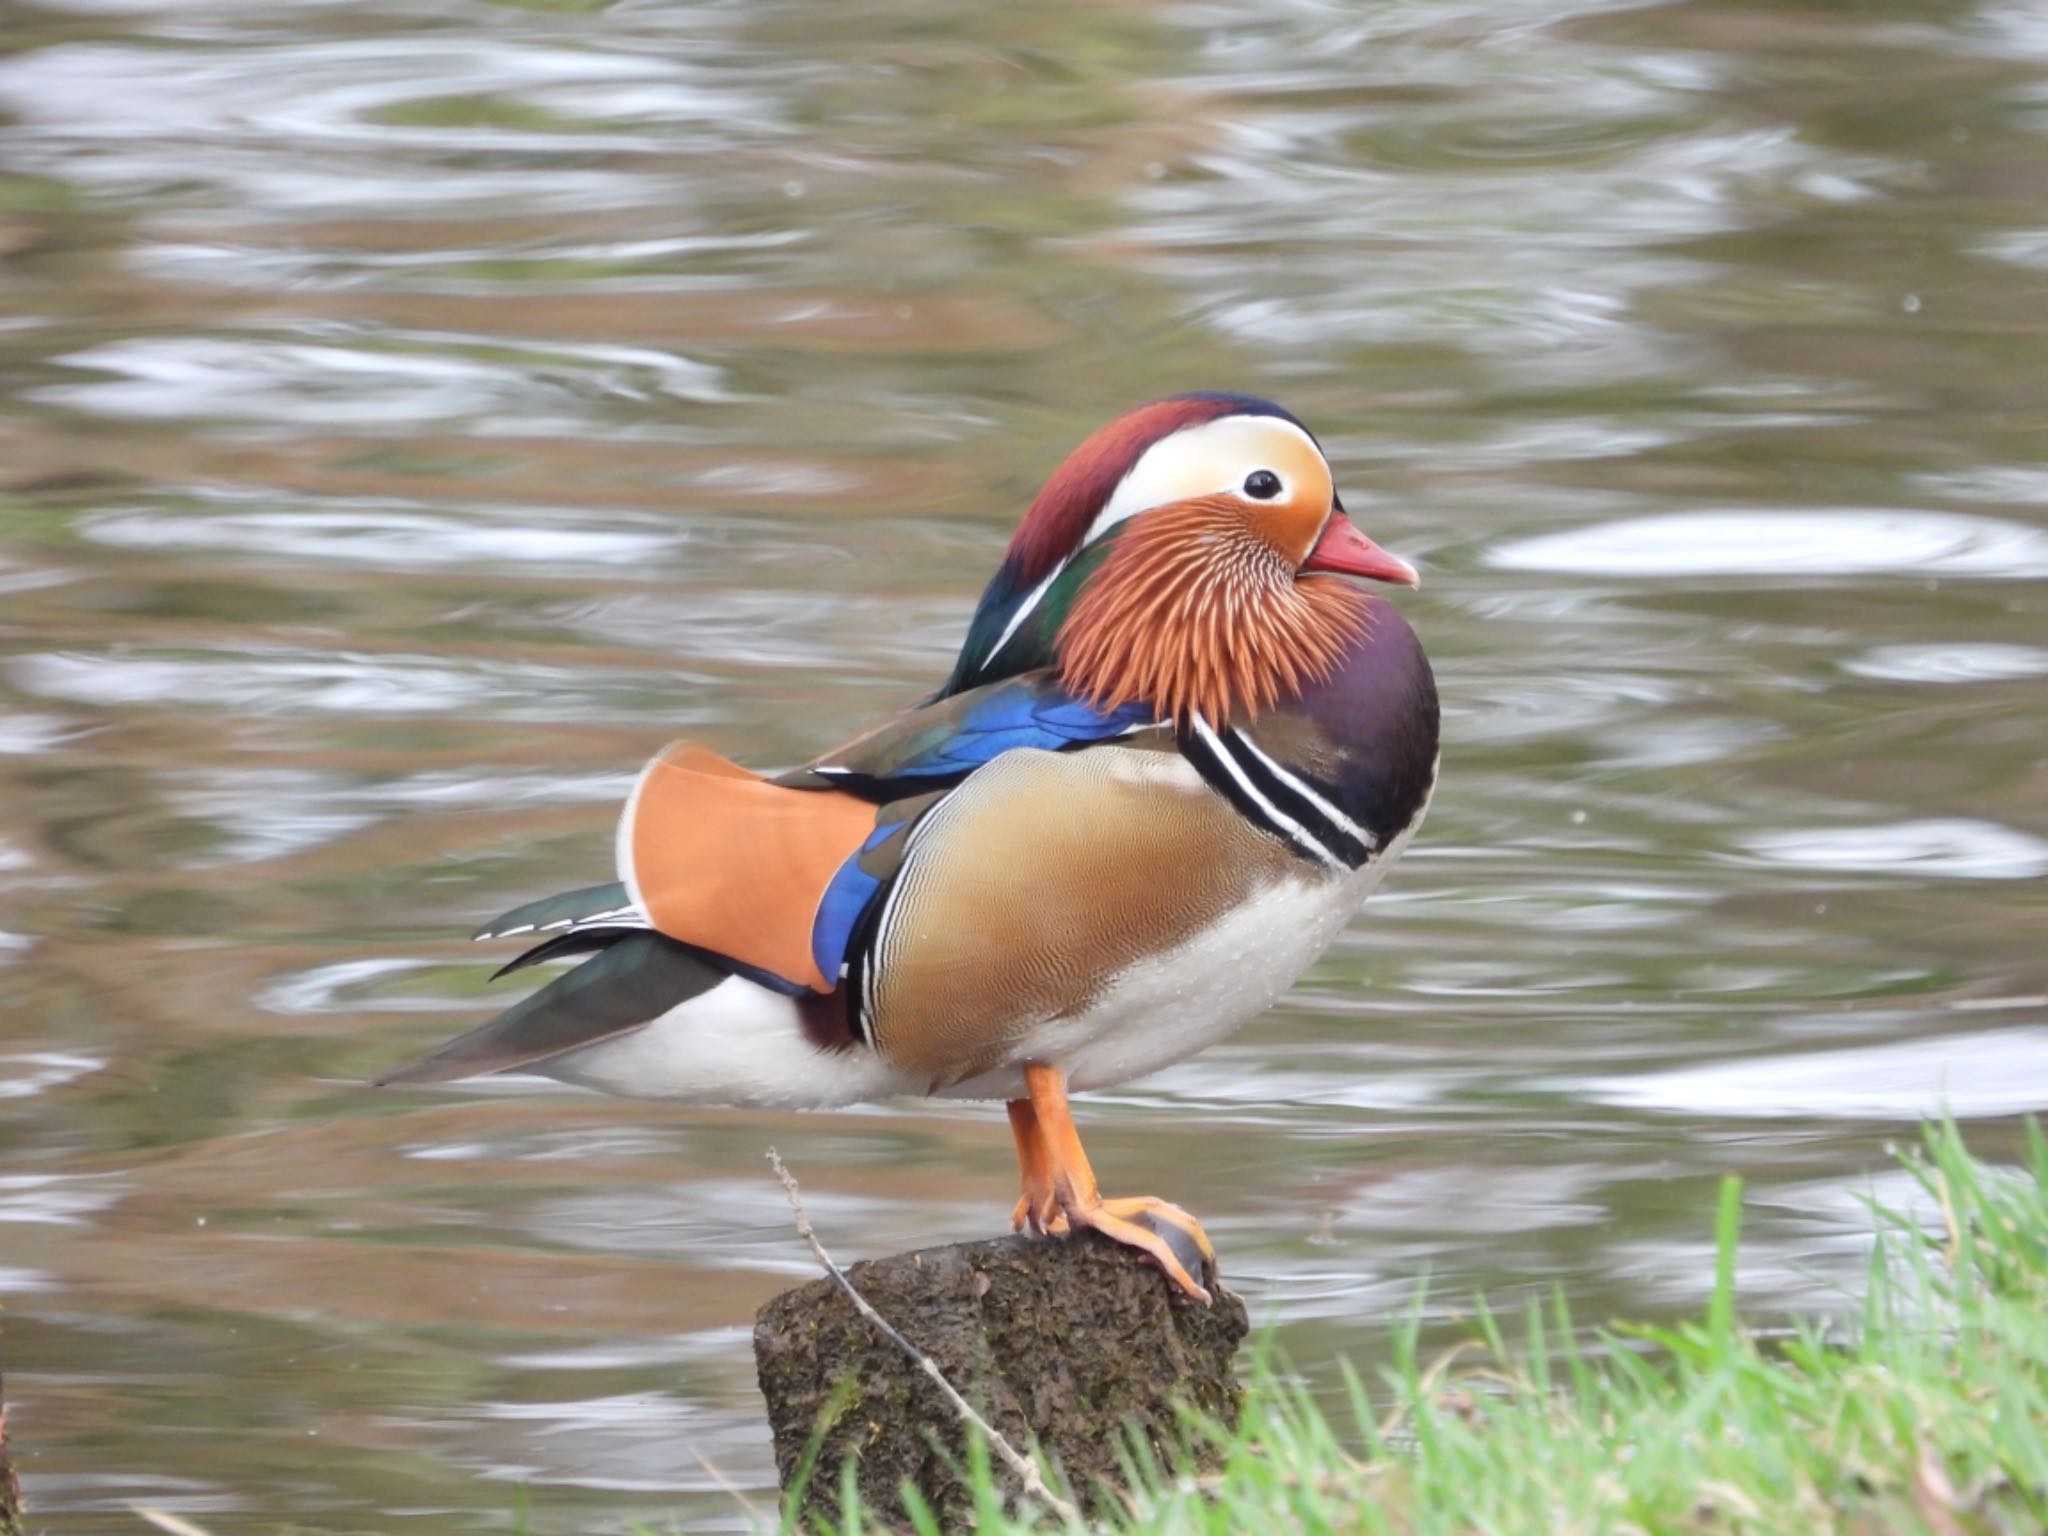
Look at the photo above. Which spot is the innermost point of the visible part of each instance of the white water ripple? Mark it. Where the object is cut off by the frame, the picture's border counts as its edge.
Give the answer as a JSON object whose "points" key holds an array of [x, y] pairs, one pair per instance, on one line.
{"points": [[388, 535], [2003, 1072], [1955, 847], [1762, 544], [1958, 663]]}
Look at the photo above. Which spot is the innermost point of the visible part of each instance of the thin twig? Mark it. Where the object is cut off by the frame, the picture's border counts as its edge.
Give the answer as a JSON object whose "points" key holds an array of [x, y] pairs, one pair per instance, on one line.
{"points": [[1425, 1384], [730, 1487], [1023, 1466]]}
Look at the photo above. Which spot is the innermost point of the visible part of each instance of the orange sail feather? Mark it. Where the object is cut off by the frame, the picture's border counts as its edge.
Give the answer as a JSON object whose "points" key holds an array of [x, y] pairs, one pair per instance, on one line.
{"points": [[721, 858]]}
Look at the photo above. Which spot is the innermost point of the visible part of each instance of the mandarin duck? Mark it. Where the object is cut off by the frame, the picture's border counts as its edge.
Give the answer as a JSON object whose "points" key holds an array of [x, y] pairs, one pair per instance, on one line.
{"points": [[1176, 752]]}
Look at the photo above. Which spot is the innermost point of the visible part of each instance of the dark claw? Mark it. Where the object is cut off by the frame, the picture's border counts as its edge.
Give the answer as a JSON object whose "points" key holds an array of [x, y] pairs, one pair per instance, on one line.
{"points": [[1183, 1244]]}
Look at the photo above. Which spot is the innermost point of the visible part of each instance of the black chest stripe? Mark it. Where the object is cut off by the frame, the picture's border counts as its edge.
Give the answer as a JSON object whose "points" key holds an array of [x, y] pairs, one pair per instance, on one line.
{"points": [[1275, 798]]}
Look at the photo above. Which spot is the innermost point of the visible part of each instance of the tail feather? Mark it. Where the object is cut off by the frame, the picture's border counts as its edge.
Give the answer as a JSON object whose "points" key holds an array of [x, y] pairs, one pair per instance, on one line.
{"points": [[594, 903], [636, 978], [577, 941]]}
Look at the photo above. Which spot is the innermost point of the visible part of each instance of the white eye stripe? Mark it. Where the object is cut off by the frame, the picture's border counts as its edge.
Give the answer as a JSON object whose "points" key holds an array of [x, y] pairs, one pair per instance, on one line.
{"points": [[1023, 612], [1209, 460]]}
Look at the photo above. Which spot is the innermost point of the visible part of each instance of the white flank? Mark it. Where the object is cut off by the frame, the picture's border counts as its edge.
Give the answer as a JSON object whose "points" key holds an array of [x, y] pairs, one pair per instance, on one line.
{"points": [[738, 1044]]}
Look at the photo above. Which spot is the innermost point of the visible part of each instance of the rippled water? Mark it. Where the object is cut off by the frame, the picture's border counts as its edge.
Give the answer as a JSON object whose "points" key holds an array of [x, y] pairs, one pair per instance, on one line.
{"points": [[416, 413]]}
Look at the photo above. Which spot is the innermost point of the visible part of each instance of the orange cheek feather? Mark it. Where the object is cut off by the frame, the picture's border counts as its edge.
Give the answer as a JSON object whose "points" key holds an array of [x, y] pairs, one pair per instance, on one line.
{"points": [[1195, 612], [1293, 526], [722, 859]]}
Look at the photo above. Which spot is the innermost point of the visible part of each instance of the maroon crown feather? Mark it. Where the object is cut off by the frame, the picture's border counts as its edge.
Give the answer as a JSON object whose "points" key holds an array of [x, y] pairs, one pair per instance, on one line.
{"points": [[1062, 512]]}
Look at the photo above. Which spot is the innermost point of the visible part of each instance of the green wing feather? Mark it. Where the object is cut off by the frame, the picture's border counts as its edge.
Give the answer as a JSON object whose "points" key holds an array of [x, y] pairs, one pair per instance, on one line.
{"points": [[635, 980]]}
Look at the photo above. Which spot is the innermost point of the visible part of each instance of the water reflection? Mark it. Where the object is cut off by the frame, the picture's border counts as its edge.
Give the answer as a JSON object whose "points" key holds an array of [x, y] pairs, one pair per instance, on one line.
{"points": [[27, 1073], [1767, 544], [399, 382], [387, 535], [1957, 663], [53, 1199], [1954, 847], [249, 681], [326, 125], [1968, 1076], [260, 815], [421, 415]]}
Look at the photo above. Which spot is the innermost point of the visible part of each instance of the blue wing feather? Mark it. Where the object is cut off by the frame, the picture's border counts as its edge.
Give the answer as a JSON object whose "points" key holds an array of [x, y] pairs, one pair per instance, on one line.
{"points": [[934, 748], [951, 739], [839, 909]]}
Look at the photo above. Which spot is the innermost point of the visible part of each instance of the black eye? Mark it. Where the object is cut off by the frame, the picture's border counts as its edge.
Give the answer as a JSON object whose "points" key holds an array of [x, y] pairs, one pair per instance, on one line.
{"points": [[1262, 485]]}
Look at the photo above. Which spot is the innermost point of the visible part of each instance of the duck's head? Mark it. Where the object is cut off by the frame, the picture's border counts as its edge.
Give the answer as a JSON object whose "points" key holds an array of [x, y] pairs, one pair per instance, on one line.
{"points": [[1182, 556]]}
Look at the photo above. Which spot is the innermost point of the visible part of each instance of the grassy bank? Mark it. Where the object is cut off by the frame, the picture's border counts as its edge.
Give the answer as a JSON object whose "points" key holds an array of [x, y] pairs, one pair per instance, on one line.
{"points": [[1928, 1413]]}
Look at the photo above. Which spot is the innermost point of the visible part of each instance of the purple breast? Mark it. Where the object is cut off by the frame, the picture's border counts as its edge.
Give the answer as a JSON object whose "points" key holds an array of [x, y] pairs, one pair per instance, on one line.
{"points": [[1378, 711]]}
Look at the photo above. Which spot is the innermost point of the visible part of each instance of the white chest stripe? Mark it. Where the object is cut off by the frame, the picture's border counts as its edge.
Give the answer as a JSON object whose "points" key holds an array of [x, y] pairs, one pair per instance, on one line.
{"points": [[1307, 791], [1274, 817]]}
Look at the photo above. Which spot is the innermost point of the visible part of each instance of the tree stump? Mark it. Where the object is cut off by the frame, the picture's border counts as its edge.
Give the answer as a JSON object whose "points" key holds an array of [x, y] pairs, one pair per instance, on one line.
{"points": [[1061, 1342], [10, 1488]]}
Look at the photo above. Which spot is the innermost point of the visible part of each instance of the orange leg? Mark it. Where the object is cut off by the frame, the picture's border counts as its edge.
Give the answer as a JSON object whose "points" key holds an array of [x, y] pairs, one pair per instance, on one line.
{"points": [[1036, 1207], [1058, 1182]]}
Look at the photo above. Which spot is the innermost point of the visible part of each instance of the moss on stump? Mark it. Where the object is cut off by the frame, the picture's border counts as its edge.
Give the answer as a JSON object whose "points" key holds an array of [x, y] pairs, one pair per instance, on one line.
{"points": [[10, 1489], [1062, 1342]]}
